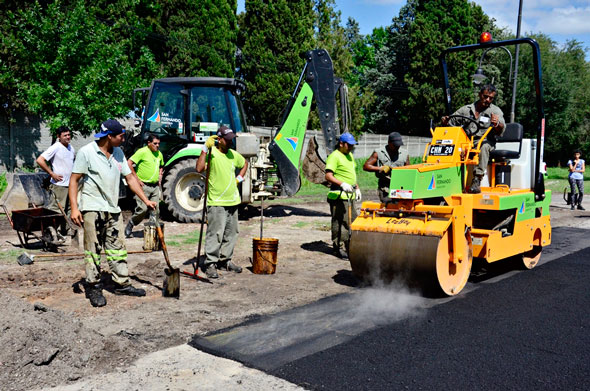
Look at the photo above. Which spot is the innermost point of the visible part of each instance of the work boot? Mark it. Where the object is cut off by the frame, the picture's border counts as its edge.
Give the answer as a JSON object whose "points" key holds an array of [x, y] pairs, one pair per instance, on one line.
{"points": [[475, 189], [128, 290], [211, 271], [340, 253], [580, 207], [94, 294], [230, 266], [129, 229]]}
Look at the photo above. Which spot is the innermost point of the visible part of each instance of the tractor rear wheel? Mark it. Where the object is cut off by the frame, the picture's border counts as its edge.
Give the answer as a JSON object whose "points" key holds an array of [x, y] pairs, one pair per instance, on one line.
{"points": [[183, 191]]}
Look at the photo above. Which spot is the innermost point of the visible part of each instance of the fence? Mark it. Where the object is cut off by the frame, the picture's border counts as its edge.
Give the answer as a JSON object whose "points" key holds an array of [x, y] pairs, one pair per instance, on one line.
{"points": [[23, 141]]}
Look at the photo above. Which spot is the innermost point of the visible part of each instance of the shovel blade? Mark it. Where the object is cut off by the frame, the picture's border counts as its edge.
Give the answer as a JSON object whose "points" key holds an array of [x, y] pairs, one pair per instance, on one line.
{"points": [[24, 259], [171, 286]]}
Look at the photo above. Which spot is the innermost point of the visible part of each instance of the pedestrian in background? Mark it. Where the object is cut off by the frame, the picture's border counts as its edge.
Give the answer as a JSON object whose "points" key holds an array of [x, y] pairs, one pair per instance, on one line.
{"points": [[61, 157], [383, 159], [223, 198], [150, 164], [344, 191], [576, 166], [96, 175]]}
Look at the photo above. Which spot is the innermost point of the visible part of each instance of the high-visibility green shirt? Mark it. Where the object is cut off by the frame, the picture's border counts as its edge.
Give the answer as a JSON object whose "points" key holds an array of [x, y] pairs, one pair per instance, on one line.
{"points": [[343, 168], [223, 189], [148, 164]]}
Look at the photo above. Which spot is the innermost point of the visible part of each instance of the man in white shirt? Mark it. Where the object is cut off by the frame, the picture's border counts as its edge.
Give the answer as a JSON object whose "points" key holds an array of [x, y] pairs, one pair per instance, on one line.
{"points": [[61, 156]]}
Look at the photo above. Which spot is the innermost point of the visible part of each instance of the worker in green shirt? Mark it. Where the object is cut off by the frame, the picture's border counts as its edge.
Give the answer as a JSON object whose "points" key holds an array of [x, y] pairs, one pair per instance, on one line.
{"points": [[344, 191], [150, 164], [223, 198]]}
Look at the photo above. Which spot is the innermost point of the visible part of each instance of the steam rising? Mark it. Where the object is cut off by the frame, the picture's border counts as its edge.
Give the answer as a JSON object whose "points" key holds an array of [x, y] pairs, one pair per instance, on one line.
{"points": [[318, 326]]}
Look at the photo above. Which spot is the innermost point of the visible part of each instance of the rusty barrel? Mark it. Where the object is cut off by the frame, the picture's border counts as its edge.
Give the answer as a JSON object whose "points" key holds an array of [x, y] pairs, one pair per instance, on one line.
{"points": [[264, 257], [151, 242]]}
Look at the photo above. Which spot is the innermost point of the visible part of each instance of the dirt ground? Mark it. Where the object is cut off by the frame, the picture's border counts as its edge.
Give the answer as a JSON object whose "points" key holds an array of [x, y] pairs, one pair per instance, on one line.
{"points": [[51, 335]]}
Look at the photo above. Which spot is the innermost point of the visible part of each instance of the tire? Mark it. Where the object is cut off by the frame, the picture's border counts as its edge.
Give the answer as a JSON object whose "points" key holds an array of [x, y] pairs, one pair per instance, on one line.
{"points": [[183, 191]]}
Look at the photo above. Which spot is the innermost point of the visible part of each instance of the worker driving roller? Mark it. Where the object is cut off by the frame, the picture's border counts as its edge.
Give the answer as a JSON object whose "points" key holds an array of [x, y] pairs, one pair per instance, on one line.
{"points": [[487, 114]]}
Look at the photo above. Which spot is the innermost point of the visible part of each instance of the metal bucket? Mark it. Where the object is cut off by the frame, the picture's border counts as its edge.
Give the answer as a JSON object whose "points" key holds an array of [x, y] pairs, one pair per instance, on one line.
{"points": [[264, 257], [151, 242]]}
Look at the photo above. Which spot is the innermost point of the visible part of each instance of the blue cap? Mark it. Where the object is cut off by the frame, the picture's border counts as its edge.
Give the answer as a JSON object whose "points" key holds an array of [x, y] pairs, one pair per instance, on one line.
{"points": [[347, 138], [110, 126]]}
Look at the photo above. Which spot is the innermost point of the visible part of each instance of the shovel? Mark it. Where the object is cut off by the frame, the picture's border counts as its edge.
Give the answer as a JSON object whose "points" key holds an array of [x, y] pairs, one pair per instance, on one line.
{"points": [[171, 286], [28, 259], [195, 273]]}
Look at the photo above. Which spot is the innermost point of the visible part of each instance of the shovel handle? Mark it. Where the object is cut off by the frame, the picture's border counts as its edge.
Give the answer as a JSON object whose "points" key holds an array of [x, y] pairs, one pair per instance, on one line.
{"points": [[72, 255], [164, 249]]}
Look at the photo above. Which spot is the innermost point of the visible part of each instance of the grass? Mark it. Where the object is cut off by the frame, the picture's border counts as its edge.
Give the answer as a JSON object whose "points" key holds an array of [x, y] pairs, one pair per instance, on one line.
{"points": [[300, 224], [556, 179], [184, 239], [3, 183], [10, 255]]}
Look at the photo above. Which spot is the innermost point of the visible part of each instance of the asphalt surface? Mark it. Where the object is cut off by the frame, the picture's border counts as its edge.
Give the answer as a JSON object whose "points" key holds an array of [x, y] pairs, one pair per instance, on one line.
{"points": [[509, 329]]}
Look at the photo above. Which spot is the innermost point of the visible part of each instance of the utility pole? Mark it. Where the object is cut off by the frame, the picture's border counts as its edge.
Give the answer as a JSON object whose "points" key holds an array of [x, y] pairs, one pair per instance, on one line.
{"points": [[516, 62]]}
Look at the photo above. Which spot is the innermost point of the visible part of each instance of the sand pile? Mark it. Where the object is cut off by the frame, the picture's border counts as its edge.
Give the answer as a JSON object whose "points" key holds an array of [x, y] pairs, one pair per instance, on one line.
{"points": [[44, 347]]}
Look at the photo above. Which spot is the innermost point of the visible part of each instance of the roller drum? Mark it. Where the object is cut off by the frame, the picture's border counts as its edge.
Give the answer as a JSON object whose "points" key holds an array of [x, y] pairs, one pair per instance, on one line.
{"points": [[420, 260]]}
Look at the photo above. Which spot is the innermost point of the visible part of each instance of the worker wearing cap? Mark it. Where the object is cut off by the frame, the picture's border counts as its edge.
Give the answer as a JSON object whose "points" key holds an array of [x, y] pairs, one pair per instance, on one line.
{"points": [[344, 191], [383, 159], [223, 198], [486, 114], [150, 164], [96, 176]]}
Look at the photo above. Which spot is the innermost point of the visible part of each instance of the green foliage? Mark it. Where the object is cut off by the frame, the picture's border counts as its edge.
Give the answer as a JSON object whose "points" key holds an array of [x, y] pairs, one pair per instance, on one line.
{"points": [[406, 79], [566, 87], [3, 183], [274, 34], [76, 62]]}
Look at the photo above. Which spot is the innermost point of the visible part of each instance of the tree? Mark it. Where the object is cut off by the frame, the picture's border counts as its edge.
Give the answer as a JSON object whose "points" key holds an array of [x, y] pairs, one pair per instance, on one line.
{"points": [[274, 35], [64, 65], [566, 86]]}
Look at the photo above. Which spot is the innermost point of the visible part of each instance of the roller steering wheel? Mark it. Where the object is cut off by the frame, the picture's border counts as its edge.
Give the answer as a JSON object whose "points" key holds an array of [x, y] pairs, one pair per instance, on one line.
{"points": [[466, 126]]}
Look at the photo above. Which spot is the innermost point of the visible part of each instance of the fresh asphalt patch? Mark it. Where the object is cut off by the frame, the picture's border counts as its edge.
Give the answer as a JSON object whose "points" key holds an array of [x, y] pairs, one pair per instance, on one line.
{"points": [[520, 329]]}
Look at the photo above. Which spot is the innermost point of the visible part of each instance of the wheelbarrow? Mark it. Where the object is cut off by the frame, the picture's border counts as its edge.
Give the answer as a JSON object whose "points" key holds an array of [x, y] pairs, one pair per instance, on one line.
{"points": [[40, 224]]}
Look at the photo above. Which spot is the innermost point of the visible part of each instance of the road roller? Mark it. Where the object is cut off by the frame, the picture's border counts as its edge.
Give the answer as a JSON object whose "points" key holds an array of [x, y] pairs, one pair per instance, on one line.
{"points": [[432, 228]]}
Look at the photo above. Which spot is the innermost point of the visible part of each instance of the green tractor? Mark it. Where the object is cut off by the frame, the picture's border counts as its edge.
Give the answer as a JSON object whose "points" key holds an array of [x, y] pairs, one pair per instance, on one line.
{"points": [[184, 111]]}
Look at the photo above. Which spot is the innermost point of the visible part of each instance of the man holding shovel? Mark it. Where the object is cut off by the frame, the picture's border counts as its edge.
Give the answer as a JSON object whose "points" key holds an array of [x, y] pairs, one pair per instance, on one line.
{"points": [[344, 191], [96, 175], [223, 198], [61, 156]]}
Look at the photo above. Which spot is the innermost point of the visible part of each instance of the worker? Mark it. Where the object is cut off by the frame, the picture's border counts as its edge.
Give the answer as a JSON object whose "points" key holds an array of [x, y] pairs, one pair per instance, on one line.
{"points": [[344, 191], [487, 114], [577, 167], [223, 198], [61, 157], [150, 165], [382, 160], [96, 175]]}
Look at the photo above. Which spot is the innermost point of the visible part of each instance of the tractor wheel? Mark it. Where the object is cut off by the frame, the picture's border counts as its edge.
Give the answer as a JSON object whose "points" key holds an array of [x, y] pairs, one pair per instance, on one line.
{"points": [[183, 191]]}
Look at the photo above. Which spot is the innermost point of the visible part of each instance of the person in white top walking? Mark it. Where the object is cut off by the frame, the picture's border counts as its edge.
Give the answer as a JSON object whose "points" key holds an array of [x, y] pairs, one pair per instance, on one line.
{"points": [[577, 166], [61, 157]]}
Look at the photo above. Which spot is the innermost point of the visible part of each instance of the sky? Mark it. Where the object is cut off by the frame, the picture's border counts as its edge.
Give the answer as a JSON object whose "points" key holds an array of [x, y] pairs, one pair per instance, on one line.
{"points": [[560, 19]]}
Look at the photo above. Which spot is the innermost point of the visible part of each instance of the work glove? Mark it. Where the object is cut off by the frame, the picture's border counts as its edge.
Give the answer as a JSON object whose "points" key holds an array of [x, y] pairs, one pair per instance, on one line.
{"points": [[209, 144], [346, 187], [385, 169], [239, 179], [359, 195], [211, 141]]}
